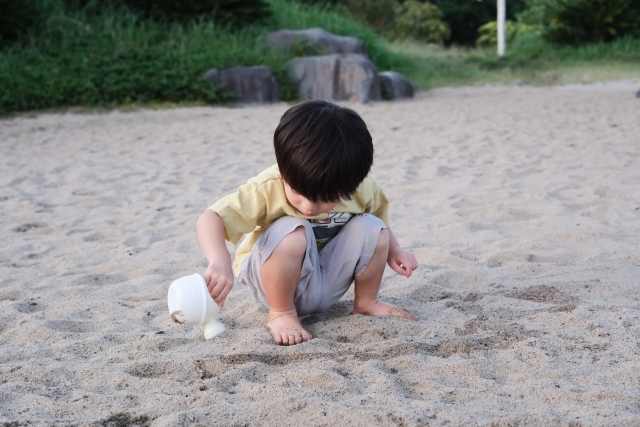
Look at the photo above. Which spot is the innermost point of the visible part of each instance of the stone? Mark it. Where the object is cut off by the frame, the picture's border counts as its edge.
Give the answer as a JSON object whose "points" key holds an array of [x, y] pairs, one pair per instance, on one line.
{"points": [[327, 42], [338, 77], [395, 86], [249, 85]]}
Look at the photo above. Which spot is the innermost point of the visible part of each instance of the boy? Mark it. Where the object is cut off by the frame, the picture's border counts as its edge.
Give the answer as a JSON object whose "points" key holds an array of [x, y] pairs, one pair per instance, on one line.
{"points": [[315, 223]]}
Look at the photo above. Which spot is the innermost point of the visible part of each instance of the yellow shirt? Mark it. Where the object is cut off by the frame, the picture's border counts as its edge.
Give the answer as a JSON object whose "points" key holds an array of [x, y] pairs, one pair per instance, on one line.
{"points": [[261, 201]]}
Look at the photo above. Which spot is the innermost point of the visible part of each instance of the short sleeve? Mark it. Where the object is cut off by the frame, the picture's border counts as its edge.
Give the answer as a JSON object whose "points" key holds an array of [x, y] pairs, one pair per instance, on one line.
{"points": [[379, 204], [241, 211]]}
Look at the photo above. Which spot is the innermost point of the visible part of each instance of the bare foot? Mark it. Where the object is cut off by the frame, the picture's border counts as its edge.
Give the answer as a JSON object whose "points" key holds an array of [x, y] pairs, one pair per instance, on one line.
{"points": [[286, 329], [379, 308]]}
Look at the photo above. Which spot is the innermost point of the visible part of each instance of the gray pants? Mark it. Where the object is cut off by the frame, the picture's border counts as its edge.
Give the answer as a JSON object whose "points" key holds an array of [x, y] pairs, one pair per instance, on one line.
{"points": [[325, 275]]}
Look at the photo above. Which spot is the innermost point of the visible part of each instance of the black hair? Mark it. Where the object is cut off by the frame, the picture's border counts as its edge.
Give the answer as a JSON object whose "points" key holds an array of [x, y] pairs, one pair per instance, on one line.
{"points": [[324, 151]]}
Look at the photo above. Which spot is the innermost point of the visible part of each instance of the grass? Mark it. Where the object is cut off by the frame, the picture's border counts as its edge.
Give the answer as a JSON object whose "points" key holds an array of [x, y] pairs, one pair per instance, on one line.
{"points": [[529, 59], [112, 57], [116, 58]]}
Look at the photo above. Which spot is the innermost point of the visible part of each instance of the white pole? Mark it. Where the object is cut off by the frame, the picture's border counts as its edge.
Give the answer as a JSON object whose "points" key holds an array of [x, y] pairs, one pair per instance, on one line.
{"points": [[501, 25]]}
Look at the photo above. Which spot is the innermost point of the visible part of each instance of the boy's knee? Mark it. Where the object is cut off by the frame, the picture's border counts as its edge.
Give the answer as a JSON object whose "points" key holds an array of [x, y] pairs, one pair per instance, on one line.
{"points": [[365, 228], [366, 223], [294, 244]]}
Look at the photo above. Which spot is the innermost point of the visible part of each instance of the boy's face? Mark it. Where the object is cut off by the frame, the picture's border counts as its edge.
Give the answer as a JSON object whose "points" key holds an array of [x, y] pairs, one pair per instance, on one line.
{"points": [[304, 205]]}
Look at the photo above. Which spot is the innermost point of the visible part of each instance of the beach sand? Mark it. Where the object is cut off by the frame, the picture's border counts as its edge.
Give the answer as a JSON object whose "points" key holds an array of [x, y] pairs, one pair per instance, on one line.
{"points": [[522, 206]]}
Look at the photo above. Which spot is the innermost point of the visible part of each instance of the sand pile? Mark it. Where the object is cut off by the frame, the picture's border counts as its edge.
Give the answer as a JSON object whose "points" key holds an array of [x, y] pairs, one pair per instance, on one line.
{"points": [[521, 204]]}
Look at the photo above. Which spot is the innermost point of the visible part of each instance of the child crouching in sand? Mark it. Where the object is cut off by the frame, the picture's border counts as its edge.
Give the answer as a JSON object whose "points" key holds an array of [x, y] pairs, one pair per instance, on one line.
{"points": [[316, 222]]}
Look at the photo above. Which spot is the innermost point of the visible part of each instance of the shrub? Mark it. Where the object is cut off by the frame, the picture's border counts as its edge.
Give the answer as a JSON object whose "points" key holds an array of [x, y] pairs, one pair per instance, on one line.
{"points": [[117, 57], [419, 21], [232, 11], [535, 13], [375, 13], [588, 21], [464, 17], [489, 32], [295, 16], [112, 55], [237, 12]]}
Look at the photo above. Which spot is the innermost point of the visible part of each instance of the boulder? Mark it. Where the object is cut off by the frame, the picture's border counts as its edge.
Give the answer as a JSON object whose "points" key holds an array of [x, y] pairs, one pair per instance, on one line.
{"points": [[250, 85], [327, 42], [343, 77], [395, 86]]}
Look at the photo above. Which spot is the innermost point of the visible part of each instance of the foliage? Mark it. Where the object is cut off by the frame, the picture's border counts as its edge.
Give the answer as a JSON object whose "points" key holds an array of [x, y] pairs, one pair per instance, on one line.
{"points": [[419, 21], [395, 19], [489, 32], [237, 12], [375, 13], [535, 13], [228, 11], [529, 58], [588, 21], [117, 57], [531, 48], [112, 55], [294, 15], [464, 17]]}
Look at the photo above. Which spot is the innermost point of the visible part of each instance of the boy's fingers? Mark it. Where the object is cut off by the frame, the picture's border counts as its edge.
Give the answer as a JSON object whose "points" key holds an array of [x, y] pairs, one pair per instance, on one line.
{"points": [[400, 269], [408, 269], [223, 295], [217, 290]]}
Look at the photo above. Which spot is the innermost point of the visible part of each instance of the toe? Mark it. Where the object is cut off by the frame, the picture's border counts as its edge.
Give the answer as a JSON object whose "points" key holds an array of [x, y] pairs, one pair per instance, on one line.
{"points": [[284, 339], [279, 339], [299, 338], [306, 335], [276, 337]]}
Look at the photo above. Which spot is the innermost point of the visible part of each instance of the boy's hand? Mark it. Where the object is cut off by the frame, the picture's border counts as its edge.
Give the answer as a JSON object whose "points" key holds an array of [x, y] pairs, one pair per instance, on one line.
{"points": [[219, 279], [402, 261]]}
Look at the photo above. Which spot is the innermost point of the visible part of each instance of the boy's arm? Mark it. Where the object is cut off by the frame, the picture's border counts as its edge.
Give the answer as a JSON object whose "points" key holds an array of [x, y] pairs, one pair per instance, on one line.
{"points": [[400, 260], [219, 274]]}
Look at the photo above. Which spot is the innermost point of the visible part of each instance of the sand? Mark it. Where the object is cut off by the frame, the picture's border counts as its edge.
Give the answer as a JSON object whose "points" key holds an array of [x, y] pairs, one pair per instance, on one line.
{"points": [[522, 206]]}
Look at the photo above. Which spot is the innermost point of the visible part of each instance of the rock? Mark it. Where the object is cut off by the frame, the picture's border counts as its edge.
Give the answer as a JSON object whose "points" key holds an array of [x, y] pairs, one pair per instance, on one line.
{"points": [[345, 77], [395, 86], [250, 85], [327, 42]]}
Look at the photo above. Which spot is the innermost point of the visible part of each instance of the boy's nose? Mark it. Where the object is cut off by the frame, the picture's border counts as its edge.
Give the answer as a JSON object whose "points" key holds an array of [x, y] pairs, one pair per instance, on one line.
{"points": [[309, 207]]}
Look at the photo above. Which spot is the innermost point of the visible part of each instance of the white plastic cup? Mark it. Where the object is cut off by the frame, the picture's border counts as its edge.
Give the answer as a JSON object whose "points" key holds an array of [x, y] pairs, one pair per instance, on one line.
{"points": [[190, 303]]}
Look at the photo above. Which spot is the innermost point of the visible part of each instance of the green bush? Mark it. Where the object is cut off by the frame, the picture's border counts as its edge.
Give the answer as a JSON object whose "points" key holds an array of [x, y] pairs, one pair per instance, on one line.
{"points": [[295, 16], [535, 13], [117, 57], [378, 14], [419, 21], [232, 11], [396, 19], [465, 17], [237, 12], [589, 21], [489, 32], [113, 55]]}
